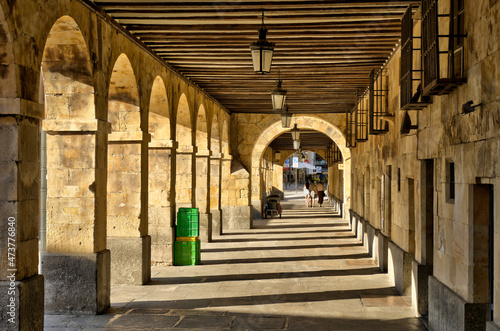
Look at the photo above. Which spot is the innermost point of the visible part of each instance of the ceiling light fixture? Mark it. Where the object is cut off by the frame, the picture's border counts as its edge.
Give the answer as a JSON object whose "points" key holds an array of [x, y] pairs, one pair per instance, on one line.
{"points": [[262, 52], [278, 95]]}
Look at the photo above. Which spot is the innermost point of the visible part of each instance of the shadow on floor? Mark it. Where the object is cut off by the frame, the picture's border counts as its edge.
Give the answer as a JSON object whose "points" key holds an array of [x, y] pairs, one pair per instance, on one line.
{"points": [[286, 259], [265, 276], [139, 318], [273, 248]]}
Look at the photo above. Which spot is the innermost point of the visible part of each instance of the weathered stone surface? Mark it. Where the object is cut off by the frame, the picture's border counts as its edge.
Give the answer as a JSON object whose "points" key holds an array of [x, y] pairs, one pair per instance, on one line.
{"points": [[76, 283], [448, 311], [236, 217], [130, 260], [399, 268], [27, 307]]}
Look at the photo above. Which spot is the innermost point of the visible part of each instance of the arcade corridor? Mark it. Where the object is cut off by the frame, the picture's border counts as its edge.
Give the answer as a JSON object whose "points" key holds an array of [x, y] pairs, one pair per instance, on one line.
{"points": [[306, 271]]}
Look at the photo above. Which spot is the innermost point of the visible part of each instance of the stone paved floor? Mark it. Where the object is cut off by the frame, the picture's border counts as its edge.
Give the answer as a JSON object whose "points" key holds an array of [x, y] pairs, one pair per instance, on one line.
{"points": [[305, 271]]}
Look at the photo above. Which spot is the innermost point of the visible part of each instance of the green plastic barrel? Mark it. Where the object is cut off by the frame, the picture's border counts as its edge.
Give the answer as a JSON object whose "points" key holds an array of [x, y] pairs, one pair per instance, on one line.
{"points": [[187, 252], [188, 224]]}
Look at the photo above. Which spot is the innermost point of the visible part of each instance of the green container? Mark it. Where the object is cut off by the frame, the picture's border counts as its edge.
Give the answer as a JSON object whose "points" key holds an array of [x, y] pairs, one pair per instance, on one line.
{"points": [[188, 223], [187, 252]]}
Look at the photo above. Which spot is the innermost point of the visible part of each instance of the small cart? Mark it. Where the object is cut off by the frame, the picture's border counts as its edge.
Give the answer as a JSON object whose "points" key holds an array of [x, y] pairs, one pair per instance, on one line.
{"points": [[273, 206]]}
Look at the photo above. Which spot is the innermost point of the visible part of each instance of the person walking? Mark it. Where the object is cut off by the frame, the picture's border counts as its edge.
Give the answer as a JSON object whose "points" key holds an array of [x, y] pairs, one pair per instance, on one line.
{"points": [[307, 194], [321, 192], [313, 193]]}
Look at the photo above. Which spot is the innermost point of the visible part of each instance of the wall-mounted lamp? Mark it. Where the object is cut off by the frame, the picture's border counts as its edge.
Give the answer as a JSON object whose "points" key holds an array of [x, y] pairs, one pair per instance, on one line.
{"points": [[468, 107]]}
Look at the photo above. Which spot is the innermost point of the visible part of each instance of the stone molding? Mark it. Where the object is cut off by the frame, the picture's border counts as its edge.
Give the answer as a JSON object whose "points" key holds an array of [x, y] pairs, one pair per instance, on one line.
{"points": [[204, 153], [131, 137], [162, 144], [80, 125], [187, 150]]}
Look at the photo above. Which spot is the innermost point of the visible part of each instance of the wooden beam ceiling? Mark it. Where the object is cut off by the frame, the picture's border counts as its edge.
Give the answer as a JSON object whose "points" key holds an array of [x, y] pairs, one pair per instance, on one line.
{"points": [[324, 49]]}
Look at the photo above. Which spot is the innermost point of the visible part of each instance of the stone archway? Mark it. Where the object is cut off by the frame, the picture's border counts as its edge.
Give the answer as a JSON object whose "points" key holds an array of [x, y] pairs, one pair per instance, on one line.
{"points": [[303, 122], [76, 246], [160, 168], [202, 180], [127, 227], [184, 195]]}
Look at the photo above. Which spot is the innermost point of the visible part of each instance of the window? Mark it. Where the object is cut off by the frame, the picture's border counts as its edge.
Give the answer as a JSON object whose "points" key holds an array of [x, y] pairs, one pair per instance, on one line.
{"points": [[399, 179], [378, 102], [442, 46], [362, 119], [450, 182], [350, 128]]}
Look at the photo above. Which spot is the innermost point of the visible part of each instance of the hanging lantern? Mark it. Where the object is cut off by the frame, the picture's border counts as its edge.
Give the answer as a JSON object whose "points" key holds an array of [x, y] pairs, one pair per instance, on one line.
{"points": [[295, 137], [286, 118], [262, 52], [296, 144], [278, 96]]}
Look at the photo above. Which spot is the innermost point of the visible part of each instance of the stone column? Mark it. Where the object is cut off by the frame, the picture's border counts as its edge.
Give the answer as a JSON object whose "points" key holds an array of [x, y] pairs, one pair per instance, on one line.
{"points": [[76, 266], [20, 282], [215, 194], [257, 191], [127, 226], [161, 224], [203, 194], [184, 186]]}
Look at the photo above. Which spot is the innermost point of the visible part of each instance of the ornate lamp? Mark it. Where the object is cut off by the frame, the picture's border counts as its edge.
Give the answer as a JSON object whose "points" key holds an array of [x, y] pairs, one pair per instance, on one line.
{"points": [[286, 118], [278, 95], [262, 52], [295, 136]]}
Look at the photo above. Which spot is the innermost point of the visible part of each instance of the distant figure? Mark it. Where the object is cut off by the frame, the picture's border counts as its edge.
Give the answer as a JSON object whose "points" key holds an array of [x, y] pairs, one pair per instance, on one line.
{"points": [[321, 192], [307, 195], [313, 192]]}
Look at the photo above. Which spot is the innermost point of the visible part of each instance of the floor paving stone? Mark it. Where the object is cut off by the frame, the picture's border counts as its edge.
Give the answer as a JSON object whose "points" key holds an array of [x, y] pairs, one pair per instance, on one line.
{"points": [[305, 271]]}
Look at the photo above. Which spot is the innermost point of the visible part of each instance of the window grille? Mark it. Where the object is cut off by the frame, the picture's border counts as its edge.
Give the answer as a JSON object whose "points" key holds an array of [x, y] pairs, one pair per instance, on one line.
{"points": [[337, 155], [411, 67], [361, 118], [333, 154], [442, 47], [378, 102], [350, 128]]}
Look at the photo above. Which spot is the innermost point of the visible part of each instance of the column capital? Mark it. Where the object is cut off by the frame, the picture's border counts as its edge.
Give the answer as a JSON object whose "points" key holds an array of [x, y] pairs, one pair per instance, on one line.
{"points": [[78, 125], [216, 156], [204, 153], [187, 149], [163, 144], [132, 137]]}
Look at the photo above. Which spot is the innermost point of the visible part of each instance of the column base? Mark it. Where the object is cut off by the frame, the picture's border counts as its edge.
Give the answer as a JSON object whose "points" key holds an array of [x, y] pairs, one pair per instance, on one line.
{"points": [[23, 309], [130, 260], [162, 247], [420, 288], [237, 217], [216, 222], [399, 268], [383, 247], [206, 227], [257, 209], [76, 283], [449, 311]]}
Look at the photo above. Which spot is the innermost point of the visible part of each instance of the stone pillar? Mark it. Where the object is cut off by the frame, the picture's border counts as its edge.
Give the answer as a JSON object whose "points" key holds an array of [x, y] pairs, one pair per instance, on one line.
{"points": [[227, 219], [21, 287], [76, 266], [203, 194], [161, 224], [184, 193], [420, 274], [399, 268], [278, 180], [127, 226], [257, 193], [215, 193]]}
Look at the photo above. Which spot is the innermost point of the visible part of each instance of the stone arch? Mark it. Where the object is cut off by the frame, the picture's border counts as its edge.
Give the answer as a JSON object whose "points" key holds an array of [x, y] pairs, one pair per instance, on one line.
{"points": [[127, 228], [202, 129], [303, 122], [67, 73], [123, 98], [225, 138], [7, 69], [75, 169], [183, 132], [159, 112], [185, 157], [215, 144], [69, 99], [160, 169]]}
